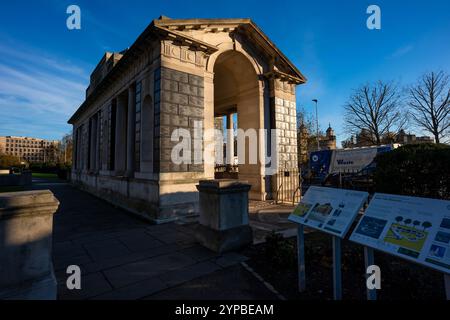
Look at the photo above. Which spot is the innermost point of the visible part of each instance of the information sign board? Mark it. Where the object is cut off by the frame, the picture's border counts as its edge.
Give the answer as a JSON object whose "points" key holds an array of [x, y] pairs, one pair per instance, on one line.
{"points": [[413, 228], [328, 209]]}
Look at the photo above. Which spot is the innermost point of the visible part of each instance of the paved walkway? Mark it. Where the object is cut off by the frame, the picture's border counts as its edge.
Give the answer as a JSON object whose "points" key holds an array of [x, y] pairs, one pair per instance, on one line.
{"points": [[123, 257], [266, 217]]}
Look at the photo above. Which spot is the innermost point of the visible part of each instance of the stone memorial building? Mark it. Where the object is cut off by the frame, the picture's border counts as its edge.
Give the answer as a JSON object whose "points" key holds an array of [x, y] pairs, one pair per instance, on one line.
{"points": [[181, 74]]}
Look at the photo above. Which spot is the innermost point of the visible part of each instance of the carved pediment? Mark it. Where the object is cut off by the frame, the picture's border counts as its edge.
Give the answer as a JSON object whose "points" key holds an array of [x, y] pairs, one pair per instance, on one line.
{"points": [[197, 32]]}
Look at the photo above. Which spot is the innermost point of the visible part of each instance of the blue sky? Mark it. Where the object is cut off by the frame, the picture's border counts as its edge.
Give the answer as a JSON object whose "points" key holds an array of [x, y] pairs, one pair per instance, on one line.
{"points": [[44, 67]]}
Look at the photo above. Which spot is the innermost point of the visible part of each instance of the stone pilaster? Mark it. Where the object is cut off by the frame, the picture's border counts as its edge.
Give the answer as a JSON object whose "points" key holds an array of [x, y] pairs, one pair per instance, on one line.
{"points": [[121, 136], [230, 140], [131, 132], [286, 123]]}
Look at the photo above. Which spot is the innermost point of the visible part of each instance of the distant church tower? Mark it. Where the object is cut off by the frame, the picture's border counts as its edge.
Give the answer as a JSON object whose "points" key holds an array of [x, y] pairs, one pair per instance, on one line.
{"points": [[329, 141]]}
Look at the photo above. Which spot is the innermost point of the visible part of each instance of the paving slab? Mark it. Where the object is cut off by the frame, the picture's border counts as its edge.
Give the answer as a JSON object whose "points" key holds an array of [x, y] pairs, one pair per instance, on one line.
{"points": [[233, 283], [144, 269], [194, 271], [230, 259], [135, 291], [133, 257], [199, 253], [109, 248], [91, 285]]}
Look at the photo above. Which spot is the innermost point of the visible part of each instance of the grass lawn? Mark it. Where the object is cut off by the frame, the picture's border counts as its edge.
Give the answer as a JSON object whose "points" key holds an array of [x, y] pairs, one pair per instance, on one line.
{"points": [[44, 175], [11, 189]]}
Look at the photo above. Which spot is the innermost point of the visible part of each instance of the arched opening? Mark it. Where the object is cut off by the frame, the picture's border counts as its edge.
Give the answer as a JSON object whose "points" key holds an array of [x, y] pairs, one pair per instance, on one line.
{"points": [[147, 125], [237, 106]]}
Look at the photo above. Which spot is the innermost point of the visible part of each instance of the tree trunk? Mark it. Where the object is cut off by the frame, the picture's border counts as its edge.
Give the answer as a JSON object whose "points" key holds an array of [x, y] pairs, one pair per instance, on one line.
{"points": [[436, 138]]}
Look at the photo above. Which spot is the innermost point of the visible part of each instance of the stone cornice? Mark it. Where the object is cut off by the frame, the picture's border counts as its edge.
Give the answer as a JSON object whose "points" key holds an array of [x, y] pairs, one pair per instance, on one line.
{"points": [[275, 74], [185, 40]]}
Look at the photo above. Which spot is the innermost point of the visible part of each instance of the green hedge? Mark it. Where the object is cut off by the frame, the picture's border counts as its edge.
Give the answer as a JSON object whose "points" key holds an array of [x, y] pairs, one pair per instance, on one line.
{"points": [[416, 170]]}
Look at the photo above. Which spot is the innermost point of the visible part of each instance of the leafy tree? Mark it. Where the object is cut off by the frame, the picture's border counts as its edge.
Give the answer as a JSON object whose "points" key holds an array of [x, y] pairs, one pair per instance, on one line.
{"points": [[399, 219], [7, 161]]}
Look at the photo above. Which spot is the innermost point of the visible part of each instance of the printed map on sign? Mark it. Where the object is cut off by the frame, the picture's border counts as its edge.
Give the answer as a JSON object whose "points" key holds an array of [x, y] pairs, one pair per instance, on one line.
{"points": [[330, 210], [417, 229]]}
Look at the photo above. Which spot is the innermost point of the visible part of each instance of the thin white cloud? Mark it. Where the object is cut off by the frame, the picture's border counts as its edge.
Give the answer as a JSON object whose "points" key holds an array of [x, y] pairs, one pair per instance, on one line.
{"points": [[22, 57], [38, 92], [400, 52]]}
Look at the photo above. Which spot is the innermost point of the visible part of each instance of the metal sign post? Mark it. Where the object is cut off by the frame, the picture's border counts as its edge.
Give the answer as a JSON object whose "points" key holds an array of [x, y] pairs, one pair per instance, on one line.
{"points": [[301, 258], [337, 275], [447, 285], [368, 261]]}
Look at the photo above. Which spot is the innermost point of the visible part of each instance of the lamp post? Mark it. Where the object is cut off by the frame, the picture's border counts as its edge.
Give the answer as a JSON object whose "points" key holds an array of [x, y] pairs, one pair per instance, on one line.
{"points": [[317, 126]]}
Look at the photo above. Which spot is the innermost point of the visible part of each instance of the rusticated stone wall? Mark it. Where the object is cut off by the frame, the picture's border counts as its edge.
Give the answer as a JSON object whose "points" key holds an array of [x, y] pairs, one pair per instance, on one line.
{"points": [[181, 105]]}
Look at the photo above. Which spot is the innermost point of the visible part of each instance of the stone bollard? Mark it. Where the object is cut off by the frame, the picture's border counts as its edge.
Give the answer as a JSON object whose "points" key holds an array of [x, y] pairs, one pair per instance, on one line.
{"points": [[223, 215], [26, 223]]}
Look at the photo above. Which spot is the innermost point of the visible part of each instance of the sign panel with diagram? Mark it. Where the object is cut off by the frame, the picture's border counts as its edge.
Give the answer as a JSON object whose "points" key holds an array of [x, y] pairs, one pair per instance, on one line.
{"points": [[328, 209], [413, 228]]}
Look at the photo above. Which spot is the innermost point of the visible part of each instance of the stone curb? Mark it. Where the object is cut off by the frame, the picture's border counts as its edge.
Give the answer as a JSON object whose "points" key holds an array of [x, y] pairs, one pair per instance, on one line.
{"points": [[265, 283]]}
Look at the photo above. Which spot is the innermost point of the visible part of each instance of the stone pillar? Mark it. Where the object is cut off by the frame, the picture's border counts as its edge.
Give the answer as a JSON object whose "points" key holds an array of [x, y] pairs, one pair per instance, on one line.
{"points": [[223, 215], [26, 220], [230, 140], [131, 131], [121, 136]]}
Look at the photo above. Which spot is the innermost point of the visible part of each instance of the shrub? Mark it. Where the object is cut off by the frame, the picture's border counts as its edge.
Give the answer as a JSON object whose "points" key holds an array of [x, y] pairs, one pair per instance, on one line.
{"points": [[43, 167], [63, 171], [279, 252], [416, 170]]}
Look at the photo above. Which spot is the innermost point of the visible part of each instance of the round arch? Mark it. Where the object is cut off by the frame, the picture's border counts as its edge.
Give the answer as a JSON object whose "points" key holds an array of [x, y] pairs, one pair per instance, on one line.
{"points": [[238, 96], [230, 46]]}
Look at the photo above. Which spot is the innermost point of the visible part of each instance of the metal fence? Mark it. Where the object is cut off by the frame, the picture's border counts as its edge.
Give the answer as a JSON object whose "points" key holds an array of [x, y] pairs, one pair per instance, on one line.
{"points": [[288, 186]]}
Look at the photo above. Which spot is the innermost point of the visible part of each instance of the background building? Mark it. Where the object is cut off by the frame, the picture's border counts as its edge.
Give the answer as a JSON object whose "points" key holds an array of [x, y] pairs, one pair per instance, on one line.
{"points": [[308, 142], [365, 139], [30, 149], [328, 142], [405, 138]]}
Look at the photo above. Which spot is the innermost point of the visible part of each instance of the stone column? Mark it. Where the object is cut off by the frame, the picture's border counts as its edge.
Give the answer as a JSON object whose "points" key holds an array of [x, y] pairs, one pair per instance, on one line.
{"points": [[131, 131], [26, 220], [230, 140], [121, 136]]}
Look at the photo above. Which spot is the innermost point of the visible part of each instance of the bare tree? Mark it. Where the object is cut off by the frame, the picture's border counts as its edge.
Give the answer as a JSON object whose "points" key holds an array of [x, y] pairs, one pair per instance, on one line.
{"points": [[375, 108], [66, 149], [429, 100]]}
